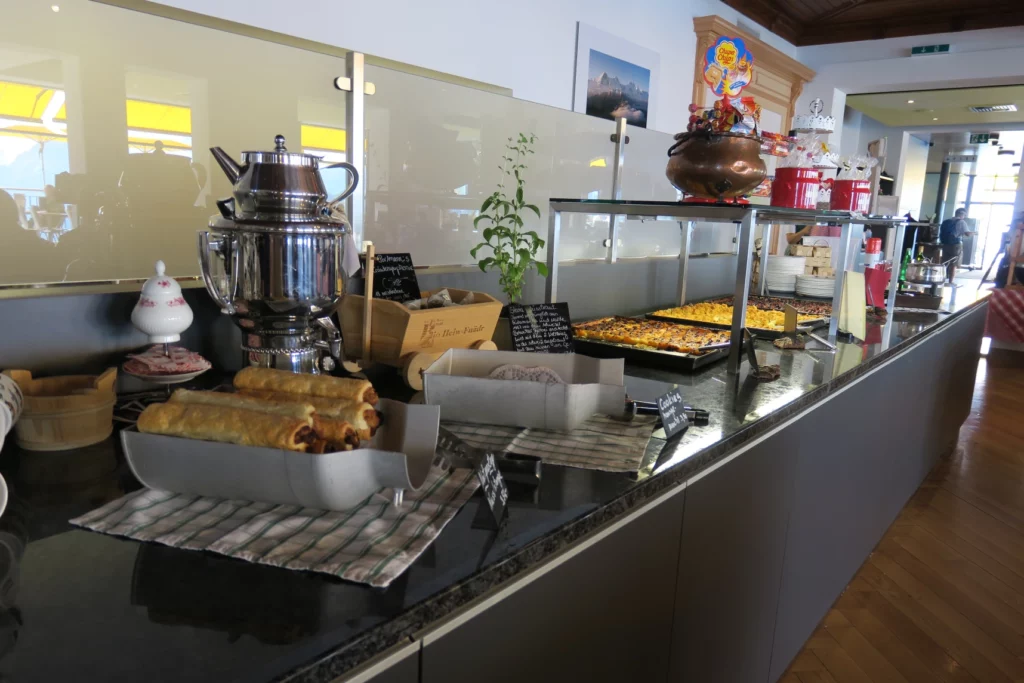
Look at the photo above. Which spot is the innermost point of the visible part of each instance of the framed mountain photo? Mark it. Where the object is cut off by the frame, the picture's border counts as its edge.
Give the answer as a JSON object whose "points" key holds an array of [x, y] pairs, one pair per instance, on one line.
{"points": [[614, 77]]}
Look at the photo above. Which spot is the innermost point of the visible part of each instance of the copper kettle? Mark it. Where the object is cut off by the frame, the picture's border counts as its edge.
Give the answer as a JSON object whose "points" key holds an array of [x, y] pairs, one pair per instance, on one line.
{"points": [[715, 165]]}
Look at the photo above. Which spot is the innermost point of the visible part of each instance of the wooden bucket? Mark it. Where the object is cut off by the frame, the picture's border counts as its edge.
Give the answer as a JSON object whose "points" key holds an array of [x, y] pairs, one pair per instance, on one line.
{"points": [[65, 412]]}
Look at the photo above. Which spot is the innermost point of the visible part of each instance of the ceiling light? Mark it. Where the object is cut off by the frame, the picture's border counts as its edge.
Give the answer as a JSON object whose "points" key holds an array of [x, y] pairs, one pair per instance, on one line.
{"points": [[935, 119], [989, 109], [55, 8], [910, 101]]}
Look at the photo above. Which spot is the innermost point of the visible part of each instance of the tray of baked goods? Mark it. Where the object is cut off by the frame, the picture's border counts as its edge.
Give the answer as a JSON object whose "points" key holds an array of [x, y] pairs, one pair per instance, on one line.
{"points": [[815, 307], [768, 324], [668, 345], [279, 437]]}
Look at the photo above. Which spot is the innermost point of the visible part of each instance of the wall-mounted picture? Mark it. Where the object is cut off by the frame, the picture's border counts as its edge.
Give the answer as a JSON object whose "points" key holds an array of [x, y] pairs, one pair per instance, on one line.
{"points": [[617, 88], [614, 77]]}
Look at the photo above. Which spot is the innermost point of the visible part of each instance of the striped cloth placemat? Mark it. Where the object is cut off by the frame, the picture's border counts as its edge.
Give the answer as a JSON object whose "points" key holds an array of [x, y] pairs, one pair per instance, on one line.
{"points": [[372, 543], [600, 443]]}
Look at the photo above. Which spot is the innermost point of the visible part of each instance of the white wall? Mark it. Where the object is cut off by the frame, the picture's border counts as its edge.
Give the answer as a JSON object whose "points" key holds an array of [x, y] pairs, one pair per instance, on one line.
{"points": [[859, 129], [910, 181], [528, 46]]}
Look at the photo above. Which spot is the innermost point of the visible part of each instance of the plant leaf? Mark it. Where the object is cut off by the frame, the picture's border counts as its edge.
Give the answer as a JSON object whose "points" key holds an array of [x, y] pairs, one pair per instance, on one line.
{"points": [[519, 194], [476, 221], [487, 204], [542, 269], [488, 233], [486, 263], [533, 208]]}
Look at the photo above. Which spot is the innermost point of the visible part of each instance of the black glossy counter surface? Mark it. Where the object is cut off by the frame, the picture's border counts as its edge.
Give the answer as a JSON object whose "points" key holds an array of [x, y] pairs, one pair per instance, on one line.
{"points": [[93, 607]]}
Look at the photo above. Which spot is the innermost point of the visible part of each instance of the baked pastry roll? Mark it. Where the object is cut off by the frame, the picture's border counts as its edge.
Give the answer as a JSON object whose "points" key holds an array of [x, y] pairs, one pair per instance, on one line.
{"points": [[296, 409], [265, 379], [362, 416], [228, 425]]}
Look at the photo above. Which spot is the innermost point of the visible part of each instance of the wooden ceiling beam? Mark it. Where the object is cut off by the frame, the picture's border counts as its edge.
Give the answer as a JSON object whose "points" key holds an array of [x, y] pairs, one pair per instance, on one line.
{"points": [[837, 11], [893, 26], [767, 14]]}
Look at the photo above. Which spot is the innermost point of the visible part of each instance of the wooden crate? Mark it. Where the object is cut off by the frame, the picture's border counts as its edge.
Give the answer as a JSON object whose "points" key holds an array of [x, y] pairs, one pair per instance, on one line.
{"points": [[398, 333]]}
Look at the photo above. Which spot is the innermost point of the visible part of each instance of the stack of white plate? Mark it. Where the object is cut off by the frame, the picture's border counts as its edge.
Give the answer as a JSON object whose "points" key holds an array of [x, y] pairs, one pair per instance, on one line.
{"points": [[812, 285], [782, 272]]}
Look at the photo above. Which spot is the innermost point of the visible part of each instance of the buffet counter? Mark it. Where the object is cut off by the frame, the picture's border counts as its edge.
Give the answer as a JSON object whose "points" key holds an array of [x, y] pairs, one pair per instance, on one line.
{"points": [[714, 562]]}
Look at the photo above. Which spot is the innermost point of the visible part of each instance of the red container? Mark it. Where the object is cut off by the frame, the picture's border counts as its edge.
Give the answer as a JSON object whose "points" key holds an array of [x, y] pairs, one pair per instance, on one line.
{"points": [[796, 188], [851, 195], [874, 246]]}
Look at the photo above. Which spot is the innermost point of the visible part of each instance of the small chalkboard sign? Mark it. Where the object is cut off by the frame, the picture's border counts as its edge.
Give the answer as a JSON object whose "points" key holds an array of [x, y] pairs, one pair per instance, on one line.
{"points": [[394, 278], [673, 416], [455, 452], [541, 328], [493, 485]]}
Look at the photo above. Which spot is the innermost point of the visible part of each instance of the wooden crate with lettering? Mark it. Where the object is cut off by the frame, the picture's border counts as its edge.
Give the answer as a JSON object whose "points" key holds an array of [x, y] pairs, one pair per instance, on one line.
{"points": [[411, 340]]}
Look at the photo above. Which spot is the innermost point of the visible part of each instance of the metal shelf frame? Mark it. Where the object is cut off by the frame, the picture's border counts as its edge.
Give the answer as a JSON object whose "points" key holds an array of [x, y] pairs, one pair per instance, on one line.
{"points": [[746, 218]]}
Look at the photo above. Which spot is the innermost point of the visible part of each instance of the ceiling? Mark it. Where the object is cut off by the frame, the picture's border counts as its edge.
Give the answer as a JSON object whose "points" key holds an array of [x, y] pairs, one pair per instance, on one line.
{"points": [[818, 22], [949, 107]]}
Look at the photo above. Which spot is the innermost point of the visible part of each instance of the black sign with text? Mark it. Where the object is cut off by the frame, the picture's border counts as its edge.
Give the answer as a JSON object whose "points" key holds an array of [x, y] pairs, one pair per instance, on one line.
{"points": [[673, 416], [458, 453], [541, 328], [394, 278]]}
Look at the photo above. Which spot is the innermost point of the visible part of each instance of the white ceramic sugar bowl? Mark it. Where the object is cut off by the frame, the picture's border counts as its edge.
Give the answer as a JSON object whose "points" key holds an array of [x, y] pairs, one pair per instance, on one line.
{"points": [[162, 312]]}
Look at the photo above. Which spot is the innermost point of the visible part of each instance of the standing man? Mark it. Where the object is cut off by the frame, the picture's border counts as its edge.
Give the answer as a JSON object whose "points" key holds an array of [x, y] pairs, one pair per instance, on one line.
{"points": [[951, 235]]}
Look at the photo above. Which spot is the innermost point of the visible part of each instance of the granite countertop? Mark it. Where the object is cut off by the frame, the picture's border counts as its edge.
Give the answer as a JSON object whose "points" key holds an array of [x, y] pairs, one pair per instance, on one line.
{"points": [[129, 611]]}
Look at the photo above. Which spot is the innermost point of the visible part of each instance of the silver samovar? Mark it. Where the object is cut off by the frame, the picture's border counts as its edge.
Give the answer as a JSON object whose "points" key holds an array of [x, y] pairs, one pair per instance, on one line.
{"points": [[275, 258]]}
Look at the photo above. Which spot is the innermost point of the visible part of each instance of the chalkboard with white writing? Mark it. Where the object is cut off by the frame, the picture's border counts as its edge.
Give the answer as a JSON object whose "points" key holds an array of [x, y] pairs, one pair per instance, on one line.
{"points": [[394, 278], [542, 328], [673, 416]]}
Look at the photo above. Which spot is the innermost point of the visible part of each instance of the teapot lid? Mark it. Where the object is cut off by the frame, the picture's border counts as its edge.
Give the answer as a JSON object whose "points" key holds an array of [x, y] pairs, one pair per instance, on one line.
{"points": [[280, 155], [160, 285]]}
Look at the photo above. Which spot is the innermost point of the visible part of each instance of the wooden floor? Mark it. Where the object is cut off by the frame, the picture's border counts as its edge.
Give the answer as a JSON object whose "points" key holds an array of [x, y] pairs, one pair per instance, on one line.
{"points": [[942, 596]]}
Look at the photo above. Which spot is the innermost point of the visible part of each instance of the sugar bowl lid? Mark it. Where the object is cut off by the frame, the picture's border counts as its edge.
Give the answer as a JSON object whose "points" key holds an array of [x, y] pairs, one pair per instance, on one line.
{"points": [[160, 285]]}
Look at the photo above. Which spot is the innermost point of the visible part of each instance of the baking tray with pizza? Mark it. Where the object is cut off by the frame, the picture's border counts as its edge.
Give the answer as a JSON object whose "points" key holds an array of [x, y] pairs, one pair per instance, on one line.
{"points": [[668, 345], [717, 315]]}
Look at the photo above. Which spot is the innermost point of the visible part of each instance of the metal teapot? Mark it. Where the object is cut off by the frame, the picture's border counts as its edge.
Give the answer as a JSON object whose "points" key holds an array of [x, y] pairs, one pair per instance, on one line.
{"points": [[278, 186]]}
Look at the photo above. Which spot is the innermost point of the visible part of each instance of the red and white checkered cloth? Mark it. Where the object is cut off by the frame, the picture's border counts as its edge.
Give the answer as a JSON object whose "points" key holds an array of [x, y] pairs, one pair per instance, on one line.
{"points": [[1005, 320]]}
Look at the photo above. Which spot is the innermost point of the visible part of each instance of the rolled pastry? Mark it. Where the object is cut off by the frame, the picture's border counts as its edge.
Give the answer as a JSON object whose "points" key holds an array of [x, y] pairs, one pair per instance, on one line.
{"points": [[297, 409], [339, 434], [265, 379], [227, 425], [362, 416]]}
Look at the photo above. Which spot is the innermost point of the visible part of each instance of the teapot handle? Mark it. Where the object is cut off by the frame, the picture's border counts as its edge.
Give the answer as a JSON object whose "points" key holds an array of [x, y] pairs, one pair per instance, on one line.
{"points": [[220, 244], [352, 186]]}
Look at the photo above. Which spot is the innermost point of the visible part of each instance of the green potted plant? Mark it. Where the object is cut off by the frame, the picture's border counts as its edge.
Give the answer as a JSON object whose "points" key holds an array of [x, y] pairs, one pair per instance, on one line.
{"points": [[508, 247]]}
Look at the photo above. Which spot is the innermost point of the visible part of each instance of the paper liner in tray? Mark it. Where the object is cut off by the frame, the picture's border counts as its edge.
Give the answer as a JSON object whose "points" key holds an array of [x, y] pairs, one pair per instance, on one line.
{"points": [[399, 457]]}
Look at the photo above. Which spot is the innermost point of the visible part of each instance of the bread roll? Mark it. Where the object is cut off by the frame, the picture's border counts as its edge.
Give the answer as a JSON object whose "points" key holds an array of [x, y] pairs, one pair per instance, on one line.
{"points": [[324, 386], [296, 409], [362, 416], [227, 425]]}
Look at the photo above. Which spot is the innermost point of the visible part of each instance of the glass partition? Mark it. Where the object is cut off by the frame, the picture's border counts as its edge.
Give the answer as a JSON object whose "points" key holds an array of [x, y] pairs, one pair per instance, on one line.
{"points": [[106, 117], [434, 151]]}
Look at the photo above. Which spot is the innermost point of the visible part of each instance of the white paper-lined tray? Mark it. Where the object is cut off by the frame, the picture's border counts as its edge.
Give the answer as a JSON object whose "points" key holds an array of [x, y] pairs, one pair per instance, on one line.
{"points": [[458, 382], [399, 457]]}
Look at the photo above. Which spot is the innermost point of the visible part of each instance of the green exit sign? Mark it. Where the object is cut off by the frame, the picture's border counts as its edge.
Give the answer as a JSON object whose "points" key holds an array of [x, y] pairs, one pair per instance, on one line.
{"points": [[929, 49], [979, 138]]}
